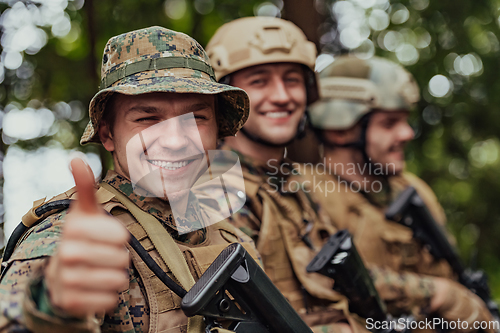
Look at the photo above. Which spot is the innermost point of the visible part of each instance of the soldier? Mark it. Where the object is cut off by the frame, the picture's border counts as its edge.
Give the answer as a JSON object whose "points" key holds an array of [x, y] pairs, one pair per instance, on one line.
{"points": [[272, 60], [361, 121], [72, 271]]}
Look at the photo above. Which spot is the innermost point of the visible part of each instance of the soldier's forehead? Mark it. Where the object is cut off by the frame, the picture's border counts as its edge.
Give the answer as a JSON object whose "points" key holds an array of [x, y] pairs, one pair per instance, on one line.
{"points": [[162, 102]]}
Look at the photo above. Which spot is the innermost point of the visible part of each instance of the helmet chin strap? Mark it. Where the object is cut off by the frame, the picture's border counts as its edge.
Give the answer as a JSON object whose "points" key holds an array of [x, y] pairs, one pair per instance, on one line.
{"points": [[299, 134], [359, 144]]}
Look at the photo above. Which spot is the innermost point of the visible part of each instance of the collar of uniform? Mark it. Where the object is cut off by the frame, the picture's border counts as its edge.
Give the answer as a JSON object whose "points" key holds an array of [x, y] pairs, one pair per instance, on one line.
{"points": [[162, 211], [263, 169], [382, 198], [391, 189], [276, 176]]}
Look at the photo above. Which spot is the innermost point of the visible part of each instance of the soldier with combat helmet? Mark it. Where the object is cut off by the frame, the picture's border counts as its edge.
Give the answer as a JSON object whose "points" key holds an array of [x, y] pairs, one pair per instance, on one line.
{"points": [[361, 121], [272, 60], [158, 110]]}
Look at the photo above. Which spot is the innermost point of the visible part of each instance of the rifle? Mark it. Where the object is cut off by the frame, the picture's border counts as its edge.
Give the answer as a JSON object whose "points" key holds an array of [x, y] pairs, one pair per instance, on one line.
{"points": [[340, 260], [234, 287], [410, 210]]}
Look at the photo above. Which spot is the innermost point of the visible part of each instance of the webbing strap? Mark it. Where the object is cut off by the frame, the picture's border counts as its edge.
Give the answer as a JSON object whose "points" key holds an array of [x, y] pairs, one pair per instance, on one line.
{"points": [[155, 64], [166, 247]]}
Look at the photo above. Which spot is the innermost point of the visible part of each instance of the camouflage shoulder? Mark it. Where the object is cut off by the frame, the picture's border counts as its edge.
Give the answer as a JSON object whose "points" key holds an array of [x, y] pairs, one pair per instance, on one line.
{"points": [[42, 239], [427, 194], [420, 185]]}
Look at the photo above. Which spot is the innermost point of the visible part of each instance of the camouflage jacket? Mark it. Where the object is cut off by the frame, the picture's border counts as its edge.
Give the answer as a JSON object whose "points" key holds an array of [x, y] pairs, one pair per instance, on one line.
{"points": [[403, 269], [289, 228], [23, 298]]}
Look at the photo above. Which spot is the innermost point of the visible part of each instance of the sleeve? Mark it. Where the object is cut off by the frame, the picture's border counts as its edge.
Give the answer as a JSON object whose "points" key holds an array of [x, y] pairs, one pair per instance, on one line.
{"points": [[24, 302], [411, 293], [403, 292], [23, 296]]}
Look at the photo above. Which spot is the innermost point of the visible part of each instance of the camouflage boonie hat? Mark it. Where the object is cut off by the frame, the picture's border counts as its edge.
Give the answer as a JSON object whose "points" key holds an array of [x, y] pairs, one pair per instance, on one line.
{"points": [[157, 59]]}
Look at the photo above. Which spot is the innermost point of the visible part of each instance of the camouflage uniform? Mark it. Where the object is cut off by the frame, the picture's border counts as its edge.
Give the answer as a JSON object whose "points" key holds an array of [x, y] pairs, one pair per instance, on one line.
{"points": [[384, 245], [403, 269], [142, 61], [289, 228], [134, 307]]}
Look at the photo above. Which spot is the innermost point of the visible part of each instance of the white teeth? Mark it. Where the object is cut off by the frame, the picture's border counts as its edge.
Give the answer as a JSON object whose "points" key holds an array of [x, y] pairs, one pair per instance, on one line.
{"points": [[277, 114], [169, 165]]}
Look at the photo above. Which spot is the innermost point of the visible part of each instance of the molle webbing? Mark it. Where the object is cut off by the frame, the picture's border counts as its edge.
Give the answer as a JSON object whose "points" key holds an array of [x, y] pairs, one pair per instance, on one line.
{"points": [[156, 64], [166, 247]]}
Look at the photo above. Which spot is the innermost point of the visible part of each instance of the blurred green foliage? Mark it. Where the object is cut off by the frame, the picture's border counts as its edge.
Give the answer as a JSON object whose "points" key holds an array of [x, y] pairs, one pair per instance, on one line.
{"points": [[456, 149]]}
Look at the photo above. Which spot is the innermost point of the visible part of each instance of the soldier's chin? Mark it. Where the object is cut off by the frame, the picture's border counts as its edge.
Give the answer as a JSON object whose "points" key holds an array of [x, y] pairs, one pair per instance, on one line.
{"points": [[153, 185], [278, 138], [174, 197], [395, 168]]}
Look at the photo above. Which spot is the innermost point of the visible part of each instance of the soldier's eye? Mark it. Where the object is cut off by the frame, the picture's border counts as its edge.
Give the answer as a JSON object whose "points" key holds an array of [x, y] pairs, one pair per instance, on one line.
{"points": [[293, 79], [389, 123], [146, 119]]}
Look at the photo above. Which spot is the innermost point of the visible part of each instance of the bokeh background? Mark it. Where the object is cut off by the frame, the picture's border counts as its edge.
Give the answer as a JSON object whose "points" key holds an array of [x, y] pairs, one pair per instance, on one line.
{"points": [[49, 70]]}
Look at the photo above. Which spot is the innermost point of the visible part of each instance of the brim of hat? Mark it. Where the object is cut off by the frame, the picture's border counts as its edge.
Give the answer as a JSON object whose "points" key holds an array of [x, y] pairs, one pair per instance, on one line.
{"points": [[233, 104]]}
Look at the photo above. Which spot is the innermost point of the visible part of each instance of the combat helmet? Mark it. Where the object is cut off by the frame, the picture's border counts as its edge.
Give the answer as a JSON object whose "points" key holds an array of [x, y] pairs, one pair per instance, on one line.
{"points": [[157, 59], [252, 41], [352, 88]]}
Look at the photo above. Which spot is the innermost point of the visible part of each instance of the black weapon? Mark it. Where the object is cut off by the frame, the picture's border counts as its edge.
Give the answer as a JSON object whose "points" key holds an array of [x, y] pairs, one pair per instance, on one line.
{"points": [[235, 288], [410, 210], [340, 260], [254, 303]]}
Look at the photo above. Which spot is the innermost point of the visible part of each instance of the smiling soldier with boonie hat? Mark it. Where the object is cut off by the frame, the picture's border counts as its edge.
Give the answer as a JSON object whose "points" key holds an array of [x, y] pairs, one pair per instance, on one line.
{"points": [[152, 75], [156, 59]]}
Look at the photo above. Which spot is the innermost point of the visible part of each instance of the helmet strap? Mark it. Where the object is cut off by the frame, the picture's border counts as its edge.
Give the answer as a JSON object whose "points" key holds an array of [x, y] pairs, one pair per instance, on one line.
{"points": [[359, 144]]}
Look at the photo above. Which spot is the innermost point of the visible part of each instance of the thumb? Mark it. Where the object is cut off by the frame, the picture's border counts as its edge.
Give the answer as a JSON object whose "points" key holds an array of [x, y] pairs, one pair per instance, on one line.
{"points": [[84, 178]]}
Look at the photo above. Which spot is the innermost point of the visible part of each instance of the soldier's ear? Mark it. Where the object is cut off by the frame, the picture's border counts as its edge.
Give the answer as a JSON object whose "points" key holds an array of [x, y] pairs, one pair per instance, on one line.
{"points": [[106, 136]]}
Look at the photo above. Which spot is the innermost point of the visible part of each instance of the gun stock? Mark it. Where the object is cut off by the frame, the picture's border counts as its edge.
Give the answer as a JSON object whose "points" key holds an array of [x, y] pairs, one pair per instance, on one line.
{"points": [[339, 260], [234, 287]]}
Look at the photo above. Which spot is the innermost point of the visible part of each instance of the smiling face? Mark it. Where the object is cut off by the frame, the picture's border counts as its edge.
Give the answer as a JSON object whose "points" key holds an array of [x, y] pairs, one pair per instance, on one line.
{"points": [[386, 137], [158, 140], [278, 99]]}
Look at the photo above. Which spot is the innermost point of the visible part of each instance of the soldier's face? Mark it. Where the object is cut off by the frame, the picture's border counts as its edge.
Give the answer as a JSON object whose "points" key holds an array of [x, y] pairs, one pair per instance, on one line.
{"points": [[278, 99], [387, 134], [158, 140]]}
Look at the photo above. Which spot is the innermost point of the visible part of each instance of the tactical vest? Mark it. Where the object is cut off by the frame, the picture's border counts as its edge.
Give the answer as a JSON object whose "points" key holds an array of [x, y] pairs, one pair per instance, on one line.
{"points": [[165, 314], [379, 241], [285, 221]]}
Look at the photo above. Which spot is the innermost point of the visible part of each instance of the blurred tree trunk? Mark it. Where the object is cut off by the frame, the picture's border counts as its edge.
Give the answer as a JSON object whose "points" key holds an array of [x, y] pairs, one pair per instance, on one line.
{"points": [[93, 67], [304, 14]]}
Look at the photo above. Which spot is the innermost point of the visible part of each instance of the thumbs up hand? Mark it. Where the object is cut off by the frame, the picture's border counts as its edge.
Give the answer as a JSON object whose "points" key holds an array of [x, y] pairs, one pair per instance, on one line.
{"points": [[90, 266]]}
